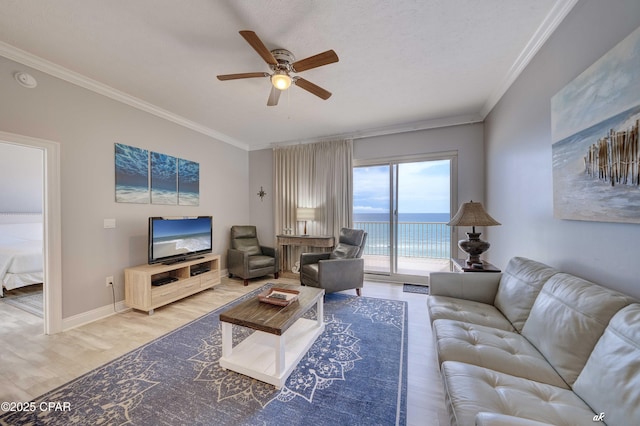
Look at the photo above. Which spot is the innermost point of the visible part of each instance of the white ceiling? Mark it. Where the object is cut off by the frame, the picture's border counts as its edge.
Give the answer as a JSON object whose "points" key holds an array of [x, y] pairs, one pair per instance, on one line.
{"points": [[404, 64]]}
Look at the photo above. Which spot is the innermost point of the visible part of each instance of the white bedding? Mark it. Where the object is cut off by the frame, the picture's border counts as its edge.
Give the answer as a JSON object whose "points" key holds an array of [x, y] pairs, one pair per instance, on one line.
{"points": [[21, 260]]}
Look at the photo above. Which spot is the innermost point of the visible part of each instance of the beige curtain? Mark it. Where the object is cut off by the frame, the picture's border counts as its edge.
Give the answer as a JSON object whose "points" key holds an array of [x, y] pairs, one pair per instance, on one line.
{"points": [[318, 176]]}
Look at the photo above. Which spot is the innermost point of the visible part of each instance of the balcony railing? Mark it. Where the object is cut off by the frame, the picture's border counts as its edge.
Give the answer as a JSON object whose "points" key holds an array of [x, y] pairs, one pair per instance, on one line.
{"points": [[415, 239]]}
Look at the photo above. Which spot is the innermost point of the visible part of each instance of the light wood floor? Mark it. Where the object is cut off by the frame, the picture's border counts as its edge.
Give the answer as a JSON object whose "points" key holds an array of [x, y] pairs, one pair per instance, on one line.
{"points": [[32, 363]]}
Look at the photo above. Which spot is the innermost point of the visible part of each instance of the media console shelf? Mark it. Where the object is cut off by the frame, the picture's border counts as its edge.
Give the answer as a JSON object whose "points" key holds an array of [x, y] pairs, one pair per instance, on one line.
{"points": [[147, 287]]}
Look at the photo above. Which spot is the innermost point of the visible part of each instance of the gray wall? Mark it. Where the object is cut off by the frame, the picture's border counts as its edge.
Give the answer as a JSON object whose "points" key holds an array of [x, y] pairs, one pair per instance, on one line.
{"points": [[21, 177], [465, 139], [518, 157], [87, 125], [261, 175]]}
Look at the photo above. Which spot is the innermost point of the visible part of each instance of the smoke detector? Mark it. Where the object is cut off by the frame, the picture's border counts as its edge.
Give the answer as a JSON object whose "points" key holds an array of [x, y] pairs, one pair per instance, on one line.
{"points": [[25, 80]]}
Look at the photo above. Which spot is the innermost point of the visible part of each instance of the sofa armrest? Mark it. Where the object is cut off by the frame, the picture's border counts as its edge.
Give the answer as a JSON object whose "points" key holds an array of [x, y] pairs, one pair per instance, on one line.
{"points": [[309, 258], [477, 286], [497, 419]]}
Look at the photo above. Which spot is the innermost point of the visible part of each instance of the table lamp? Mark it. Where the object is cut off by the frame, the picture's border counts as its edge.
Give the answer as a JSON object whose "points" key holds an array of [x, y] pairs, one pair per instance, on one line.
{"points": [[473, 214], [303, 214]]}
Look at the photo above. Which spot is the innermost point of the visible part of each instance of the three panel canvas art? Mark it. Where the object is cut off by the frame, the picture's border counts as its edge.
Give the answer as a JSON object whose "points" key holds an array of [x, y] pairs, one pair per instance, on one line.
{"points": [[143, 176]]}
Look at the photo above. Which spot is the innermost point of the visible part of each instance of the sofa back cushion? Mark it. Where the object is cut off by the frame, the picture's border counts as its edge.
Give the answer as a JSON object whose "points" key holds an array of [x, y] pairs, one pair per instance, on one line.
{"points": [[610, 380], [567, 319], [519, 286]]}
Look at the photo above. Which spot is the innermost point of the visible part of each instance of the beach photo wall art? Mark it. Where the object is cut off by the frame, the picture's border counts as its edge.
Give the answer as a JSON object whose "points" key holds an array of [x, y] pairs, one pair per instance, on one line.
{"points": [[188, 183], [595, 151], [164, 179], [143, 176]]}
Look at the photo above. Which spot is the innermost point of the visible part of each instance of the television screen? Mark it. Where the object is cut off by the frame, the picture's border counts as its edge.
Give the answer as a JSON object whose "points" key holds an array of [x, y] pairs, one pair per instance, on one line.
{"points": [[178, 238]]}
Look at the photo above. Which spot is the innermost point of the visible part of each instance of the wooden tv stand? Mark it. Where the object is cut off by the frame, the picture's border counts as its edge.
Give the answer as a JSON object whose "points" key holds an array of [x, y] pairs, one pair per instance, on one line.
{"points": [[190, 277]]}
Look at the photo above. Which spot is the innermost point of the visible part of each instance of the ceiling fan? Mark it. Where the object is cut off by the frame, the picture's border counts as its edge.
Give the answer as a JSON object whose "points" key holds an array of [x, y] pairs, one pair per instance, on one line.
{"points": [[283, 64]]}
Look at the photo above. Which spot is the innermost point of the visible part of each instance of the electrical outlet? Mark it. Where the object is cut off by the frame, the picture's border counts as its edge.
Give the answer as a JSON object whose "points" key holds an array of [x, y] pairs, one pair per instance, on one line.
{"points": [[109, 281]]}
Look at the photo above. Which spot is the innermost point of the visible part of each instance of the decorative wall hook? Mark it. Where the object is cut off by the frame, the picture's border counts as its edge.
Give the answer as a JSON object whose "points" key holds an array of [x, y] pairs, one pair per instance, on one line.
{"points": [[261, 193]]}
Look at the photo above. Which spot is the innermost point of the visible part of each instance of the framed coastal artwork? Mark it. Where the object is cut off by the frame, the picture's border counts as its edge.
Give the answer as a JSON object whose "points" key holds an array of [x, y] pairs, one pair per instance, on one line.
{"points": [[188, 183], [143, 177], [132, 174], [595, 151], [164, 179]]}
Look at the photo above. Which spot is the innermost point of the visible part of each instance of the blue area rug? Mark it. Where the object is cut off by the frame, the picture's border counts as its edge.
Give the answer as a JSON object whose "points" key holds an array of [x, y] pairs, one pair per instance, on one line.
{"points": [[355, 373]]}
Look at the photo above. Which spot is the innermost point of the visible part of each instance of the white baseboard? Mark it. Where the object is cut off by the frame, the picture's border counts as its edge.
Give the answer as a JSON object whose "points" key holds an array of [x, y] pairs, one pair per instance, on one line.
{"points": [[102, 312], [93, 315]]}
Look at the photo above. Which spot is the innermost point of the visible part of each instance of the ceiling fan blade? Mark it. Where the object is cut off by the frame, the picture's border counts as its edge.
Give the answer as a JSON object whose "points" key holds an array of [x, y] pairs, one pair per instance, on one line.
{"points": [[257, 44], [273, 96], [315, 61], [312, 88], [242, 75]]}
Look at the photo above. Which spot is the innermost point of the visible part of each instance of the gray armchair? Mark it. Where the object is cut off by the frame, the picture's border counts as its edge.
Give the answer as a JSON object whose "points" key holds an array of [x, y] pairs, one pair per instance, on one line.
{"points": [[342, 269], [246, 258]]}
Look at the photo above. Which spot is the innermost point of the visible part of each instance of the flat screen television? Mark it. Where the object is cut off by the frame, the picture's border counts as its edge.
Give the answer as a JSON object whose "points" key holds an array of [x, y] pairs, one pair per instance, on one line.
{"points": [[176, 239]]}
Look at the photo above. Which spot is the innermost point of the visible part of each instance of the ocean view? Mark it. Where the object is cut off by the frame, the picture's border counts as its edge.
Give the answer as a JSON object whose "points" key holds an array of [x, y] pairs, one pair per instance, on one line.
{"points": [[419, 234]]}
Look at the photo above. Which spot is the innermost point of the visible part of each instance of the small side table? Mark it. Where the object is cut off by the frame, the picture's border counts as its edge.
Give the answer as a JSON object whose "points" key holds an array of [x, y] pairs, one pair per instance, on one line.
{"points": [[460, 265]]}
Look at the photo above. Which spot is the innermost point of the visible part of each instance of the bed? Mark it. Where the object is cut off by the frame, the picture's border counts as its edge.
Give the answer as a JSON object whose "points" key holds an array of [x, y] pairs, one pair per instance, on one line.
{"points": [[21, 259]]}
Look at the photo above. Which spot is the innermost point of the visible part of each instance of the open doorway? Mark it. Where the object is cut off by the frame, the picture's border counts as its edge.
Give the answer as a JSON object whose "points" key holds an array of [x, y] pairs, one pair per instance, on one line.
{"points": [[21, 230], [49, 176]]}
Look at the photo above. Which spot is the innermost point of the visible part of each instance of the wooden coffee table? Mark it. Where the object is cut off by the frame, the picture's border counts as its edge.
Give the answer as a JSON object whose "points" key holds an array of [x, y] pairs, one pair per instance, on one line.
{"points": [[281, 338]]}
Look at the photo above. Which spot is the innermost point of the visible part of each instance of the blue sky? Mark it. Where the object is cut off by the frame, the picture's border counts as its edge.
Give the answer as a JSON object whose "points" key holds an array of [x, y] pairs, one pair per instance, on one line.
{"points": [[423, 188]]}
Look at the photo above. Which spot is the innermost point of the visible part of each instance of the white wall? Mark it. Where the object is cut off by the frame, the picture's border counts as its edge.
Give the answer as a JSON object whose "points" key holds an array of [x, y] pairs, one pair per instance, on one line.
{"points": [[87, 125], [518, 158], [20, 179]]}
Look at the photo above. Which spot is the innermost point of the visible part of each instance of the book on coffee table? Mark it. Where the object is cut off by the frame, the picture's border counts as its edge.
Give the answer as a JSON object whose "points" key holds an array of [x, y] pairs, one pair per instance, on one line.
{"points": [[279, 296]]}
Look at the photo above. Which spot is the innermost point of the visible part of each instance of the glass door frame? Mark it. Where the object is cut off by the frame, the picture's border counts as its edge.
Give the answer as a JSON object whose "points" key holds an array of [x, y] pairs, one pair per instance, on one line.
{"points": [[393, 164]]}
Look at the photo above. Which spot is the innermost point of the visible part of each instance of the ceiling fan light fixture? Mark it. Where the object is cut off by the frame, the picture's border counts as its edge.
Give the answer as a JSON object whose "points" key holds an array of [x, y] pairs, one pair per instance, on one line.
{"points": [[281, 80]]}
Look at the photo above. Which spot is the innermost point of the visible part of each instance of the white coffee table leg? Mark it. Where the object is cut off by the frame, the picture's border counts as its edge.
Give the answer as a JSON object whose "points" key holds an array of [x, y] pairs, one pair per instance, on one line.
{"points": [[280, 351], [227, 338], [320, 311]]}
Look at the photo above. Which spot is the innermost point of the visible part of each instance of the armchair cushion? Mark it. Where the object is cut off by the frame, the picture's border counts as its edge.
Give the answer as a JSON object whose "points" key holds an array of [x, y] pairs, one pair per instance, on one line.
{"points": [[259, 261], [248, 245], [245, 238], [344, 251], [350, 244]]}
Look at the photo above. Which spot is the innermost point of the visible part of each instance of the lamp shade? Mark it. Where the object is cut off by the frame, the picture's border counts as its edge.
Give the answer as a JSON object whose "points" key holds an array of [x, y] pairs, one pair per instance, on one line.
{"points": [[305, 213], [472, 214]]}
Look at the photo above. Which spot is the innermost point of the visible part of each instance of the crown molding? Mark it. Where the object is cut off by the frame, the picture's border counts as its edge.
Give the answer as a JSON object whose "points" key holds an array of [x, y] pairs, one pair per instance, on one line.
{"points": [[28, 59], [383, 131], [556, 15]]}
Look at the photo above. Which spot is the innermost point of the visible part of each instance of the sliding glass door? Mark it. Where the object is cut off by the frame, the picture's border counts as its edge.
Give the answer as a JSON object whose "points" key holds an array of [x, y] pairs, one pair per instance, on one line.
{"points": [[404, 206]]}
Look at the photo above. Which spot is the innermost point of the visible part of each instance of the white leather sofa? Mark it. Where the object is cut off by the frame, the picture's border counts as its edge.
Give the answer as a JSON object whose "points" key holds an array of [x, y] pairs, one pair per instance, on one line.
{"points": [[535, 346]]}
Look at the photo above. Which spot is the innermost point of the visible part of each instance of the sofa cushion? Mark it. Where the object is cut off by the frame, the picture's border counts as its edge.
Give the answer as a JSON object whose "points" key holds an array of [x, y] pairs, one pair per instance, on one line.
{"points": [[470, 390], [499, 350], [610, 380], [443, 307], [567, 319], [520, 284], [494, 419]]}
